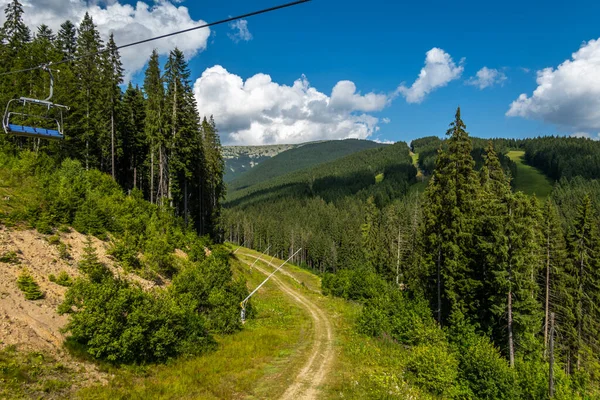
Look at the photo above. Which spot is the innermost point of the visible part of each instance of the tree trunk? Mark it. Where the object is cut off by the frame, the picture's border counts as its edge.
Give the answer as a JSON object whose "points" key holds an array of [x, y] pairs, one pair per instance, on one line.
{"points": [[152, 173], [547, 300], [551, 361], [112, 142], [511, 348], [439, 285]]}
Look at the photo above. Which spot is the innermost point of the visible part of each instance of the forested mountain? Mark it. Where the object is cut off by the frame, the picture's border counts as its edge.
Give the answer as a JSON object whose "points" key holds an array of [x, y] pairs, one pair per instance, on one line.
{"points": [[139, 169], [149, 138], [239, 159], [492, 266], [300, 157]]}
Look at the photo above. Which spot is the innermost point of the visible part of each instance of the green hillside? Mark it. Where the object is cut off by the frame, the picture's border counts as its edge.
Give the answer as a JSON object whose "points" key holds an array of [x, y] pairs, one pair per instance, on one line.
{"points": [[528, 179], [301, 157], [337, 179], [239, 159]]}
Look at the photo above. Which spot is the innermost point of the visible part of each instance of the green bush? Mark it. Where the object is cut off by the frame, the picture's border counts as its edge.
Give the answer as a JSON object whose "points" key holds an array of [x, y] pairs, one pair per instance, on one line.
{"points": [[117, 321], [63, 252], [63, 279], [29, 286], [125, 253], [434, 368], [54, 240], [10, 257], [212, 291], [360, 284], [90, 265]]}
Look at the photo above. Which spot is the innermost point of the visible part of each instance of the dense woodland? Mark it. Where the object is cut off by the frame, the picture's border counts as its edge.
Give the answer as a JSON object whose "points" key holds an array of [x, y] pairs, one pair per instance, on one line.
{"points": [[149, 138], [487, 265], [462, 269], [138, 169]]}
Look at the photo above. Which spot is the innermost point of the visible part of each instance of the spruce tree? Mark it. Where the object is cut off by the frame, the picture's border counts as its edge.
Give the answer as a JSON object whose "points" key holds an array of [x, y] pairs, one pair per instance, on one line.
{"points": [[214, 167], [134, 143], [584, 246], [112, 78], [88, 100], [554, 259], [154, 127], [66, 40], [15, 32], [448, 227]]}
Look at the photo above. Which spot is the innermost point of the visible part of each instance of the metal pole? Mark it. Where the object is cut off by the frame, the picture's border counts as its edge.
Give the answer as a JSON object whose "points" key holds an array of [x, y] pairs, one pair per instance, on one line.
{"points": [[260, 257], [243, 303], [551, 361]]}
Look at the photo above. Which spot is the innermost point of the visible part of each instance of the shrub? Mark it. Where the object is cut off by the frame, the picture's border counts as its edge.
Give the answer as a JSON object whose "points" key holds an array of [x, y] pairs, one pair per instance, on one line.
{"points": [[29, 286], [90, 265], [353, 284], [63, 252], [10, 257], [434, 368], [210, 288], [393, 313], [63, 279], [126, 254], [117, 321], [54, 239]]}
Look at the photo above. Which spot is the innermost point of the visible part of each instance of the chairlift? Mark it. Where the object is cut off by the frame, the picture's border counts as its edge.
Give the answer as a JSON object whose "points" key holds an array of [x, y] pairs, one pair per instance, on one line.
{"points": [[29, 123]]}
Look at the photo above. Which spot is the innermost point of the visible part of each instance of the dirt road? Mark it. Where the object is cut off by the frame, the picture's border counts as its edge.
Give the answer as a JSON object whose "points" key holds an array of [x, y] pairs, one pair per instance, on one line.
{"points": [[306, 384]]}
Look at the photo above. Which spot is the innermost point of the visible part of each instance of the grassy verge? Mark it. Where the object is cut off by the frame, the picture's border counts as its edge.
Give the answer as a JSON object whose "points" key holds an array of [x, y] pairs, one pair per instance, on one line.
{"points": [[248, 364], [33, 375], [529, 180], [364, 367]]}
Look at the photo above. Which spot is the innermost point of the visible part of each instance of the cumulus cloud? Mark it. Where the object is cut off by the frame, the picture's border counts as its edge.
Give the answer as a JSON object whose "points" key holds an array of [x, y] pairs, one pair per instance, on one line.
{"points": [[260, 111], [586, 135], [240, 31], [128, 23], [568, 96], [438, 71], [487, 77]]}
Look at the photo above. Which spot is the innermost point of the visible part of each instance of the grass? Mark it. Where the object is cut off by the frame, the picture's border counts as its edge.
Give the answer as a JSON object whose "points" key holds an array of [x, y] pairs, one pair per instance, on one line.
{"points": [[364, 367], [33, 375], [529, 180], [252, 363]]}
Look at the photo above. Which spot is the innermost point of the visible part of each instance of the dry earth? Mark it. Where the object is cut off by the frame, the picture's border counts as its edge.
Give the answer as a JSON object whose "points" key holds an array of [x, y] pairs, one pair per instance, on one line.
{"points": [[307, 382], [35, 325]]}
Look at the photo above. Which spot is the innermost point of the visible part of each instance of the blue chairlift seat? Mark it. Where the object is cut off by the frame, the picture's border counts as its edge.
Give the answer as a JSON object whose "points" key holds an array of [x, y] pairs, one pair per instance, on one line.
{"points": [[34, 131]]}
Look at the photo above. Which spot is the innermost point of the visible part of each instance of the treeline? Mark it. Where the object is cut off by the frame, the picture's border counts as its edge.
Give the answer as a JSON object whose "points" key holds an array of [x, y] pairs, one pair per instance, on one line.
{"points": [[149, 138], [487, 265], [113, 318], [320, 209], [564, 157], [427, 148]]}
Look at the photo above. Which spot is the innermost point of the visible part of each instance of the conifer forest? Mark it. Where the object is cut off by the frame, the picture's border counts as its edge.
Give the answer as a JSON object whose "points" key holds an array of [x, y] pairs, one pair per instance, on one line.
{"points": [[445, 267]]}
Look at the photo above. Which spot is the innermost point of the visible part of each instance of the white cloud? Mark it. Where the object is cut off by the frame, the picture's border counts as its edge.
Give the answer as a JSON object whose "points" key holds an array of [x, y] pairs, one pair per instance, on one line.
{"points": [[568, 96], [344, 97], [240, 31], [386, 120], [128, 23], [487, 77], [438, 71], [260, 111], [586, 135]]}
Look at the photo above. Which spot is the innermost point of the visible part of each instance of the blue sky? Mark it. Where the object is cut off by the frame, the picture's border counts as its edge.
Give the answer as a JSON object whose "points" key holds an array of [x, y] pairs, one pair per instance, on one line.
{"points": [[379, 45]]}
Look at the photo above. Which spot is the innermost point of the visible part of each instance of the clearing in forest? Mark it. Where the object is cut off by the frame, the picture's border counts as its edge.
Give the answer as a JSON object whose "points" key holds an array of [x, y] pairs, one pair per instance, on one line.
{"points": [[529, 180]]}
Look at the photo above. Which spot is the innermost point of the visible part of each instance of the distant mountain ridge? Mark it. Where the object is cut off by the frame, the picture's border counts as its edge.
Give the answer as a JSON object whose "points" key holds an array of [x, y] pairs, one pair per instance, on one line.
{"points": [[299, 157], [239, 159]]}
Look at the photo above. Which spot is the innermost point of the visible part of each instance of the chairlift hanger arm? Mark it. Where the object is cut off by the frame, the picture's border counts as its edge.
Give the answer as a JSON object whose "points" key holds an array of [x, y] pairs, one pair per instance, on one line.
{"points": [[243, 303]]}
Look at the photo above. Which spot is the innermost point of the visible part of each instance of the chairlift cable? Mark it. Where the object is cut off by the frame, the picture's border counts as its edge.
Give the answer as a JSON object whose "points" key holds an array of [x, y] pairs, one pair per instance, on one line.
{"points": [[223, 21]]}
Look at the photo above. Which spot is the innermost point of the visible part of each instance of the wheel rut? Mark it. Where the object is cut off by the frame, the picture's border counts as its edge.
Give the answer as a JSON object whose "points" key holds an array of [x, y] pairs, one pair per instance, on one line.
{"points": [[307, 382]]}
